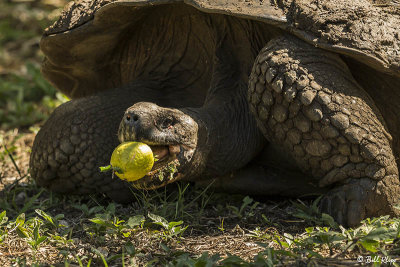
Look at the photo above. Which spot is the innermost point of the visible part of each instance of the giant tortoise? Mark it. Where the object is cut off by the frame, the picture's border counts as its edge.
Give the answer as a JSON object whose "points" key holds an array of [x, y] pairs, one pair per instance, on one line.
{"points": [[285, 97]]}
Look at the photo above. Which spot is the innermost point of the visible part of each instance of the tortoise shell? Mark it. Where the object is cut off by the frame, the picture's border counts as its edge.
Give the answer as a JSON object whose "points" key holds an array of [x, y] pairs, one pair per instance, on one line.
{"points": [[79, 47]]}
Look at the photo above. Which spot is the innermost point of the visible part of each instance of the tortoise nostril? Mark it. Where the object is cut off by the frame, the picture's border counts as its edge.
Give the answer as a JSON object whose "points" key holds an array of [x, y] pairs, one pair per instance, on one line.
{"points": [[131, 118]]}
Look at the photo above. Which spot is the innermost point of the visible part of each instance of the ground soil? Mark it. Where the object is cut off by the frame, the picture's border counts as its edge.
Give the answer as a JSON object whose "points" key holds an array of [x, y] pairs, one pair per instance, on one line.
{"points": [[204, 235]]}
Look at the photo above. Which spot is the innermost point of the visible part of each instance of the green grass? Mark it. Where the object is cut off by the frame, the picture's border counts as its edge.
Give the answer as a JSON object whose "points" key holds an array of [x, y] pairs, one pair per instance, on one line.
{"points": [[92, 231], [26, 99]]}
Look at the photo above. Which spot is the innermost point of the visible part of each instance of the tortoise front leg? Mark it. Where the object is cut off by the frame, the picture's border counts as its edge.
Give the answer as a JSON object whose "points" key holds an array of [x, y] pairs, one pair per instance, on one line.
{"points": [[306, 100], [78, 138]]}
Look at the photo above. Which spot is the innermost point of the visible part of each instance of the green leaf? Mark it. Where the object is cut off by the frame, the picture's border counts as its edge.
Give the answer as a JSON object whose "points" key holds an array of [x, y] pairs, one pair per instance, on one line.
{"points": [[59, 217], [36, 232], [101, 256], [313, 254], [111, 208], [370, 245], [207, 261], [286, 253], [130, 249], [20, 220], [45, 216], [83, 208], [79, 260], [97, 221], [135, 220], [3, 218], [126, 234], [94, 209], [103, 223], [40, 240], [381, 233], [106, 168], [114, 257], [173, 224], [246, 201], [158, 220], [310, 230], [328, 220], [233, 260], [22, 232], [29, 204], [165, 247]]}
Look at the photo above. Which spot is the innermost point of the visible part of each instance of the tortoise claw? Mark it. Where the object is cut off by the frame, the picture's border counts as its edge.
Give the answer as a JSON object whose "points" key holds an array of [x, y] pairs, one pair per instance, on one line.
{"points": [[346, 203], [358, 199]]}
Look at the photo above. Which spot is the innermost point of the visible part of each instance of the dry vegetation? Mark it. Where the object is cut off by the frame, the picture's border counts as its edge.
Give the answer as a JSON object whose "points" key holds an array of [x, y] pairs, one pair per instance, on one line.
{"points": [[181, 225]]}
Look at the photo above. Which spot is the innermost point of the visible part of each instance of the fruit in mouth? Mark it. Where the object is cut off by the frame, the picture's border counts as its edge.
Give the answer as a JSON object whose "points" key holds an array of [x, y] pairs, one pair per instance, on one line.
{"points": [[131, 161]]}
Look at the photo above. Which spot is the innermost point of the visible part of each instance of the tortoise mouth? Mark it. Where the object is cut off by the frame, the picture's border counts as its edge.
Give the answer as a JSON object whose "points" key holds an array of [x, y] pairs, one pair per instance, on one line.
{"points": [[163, 154], [171, 160], [166, 169]]}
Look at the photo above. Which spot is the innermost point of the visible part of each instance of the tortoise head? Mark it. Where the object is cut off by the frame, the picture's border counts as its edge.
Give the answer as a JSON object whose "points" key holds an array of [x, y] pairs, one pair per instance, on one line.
{"points": [[170, 133]]}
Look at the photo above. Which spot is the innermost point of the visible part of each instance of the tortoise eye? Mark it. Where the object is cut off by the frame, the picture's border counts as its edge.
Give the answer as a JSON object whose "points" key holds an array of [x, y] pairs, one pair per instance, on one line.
{"points": [[167, 122]]}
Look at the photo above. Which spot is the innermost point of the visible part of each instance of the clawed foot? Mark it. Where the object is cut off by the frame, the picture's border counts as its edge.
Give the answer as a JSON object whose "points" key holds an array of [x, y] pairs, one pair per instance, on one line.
{"points": [[346, 203], [358, 199]]}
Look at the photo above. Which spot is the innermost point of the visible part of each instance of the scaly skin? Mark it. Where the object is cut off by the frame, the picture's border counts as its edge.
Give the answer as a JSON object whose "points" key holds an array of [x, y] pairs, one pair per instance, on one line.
{"points": [[306, 100]]}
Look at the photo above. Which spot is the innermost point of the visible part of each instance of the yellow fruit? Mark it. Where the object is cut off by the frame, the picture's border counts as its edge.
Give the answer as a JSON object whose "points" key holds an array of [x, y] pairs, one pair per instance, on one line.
{"points": [[134, 159]]}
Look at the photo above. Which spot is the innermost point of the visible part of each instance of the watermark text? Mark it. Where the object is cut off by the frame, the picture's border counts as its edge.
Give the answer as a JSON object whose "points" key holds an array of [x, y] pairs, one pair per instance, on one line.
{"points": [[376, 259]]}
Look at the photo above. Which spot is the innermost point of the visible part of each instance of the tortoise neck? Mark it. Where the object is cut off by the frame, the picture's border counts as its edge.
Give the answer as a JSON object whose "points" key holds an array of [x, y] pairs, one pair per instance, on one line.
{"points": [[228, 135]]}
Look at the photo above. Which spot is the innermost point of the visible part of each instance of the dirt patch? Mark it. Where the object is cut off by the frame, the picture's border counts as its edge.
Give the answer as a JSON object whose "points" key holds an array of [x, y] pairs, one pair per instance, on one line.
{"points": [[14, 156], [15, 249]]}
